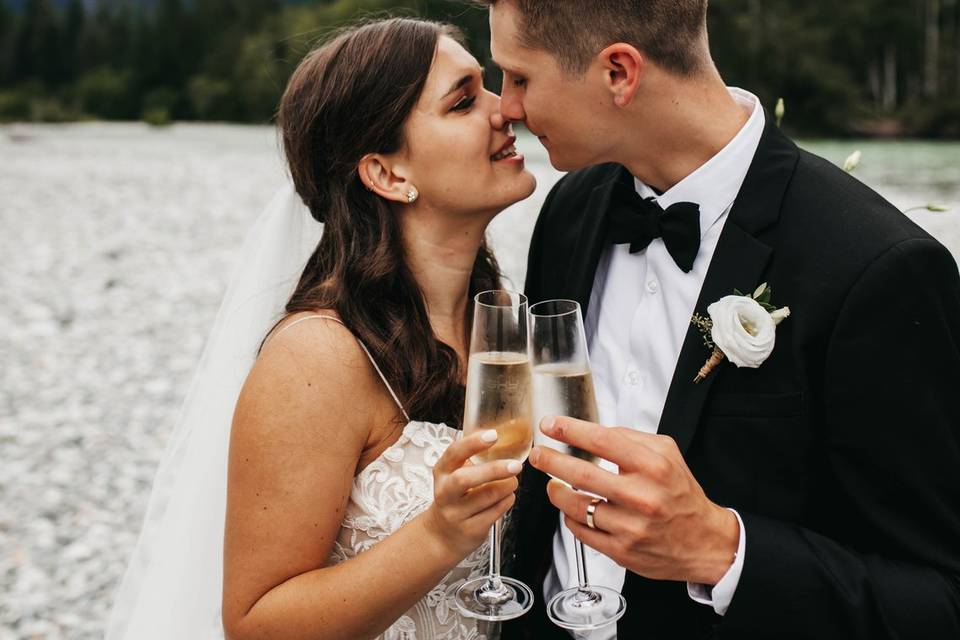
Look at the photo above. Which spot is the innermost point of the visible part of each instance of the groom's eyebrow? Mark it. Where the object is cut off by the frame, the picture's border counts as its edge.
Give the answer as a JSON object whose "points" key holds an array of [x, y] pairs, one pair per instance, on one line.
{"points": [[506, 69], [464, 81]]}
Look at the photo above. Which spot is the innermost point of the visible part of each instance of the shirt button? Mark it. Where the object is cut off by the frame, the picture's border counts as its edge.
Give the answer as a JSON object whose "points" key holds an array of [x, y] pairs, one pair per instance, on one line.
{"points": [[652, 286], [633, 378]]}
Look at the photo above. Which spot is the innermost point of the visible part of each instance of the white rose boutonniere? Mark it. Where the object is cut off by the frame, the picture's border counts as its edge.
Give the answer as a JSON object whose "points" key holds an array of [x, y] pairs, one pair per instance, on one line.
{"points": [[741, 328]]}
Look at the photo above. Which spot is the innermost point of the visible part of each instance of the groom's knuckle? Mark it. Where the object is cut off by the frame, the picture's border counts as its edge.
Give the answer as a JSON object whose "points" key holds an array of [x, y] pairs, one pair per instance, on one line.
{"points": [[659, 468], [581, 475], [637, 534], [655, 507], [666, 444], [600, 440], [635, 502], [645, 503]]}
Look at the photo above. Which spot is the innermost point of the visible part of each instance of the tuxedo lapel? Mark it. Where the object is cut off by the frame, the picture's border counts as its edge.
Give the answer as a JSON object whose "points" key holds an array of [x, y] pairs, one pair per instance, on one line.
{"points": [[739, 262], [591, 241]]}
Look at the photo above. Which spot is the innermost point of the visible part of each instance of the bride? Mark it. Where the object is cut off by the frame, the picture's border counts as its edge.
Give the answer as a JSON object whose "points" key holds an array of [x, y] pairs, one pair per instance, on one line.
{"points": [[351, 510]]}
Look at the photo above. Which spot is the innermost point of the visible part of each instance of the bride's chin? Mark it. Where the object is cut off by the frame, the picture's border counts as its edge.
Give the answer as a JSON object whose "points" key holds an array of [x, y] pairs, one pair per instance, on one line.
{"points": [[509, 192], [531, 184], [512, 197]]}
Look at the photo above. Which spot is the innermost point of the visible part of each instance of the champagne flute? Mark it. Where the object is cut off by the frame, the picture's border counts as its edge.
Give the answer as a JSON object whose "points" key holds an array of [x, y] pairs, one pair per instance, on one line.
{"points": [[498, 397], [563, 386]]}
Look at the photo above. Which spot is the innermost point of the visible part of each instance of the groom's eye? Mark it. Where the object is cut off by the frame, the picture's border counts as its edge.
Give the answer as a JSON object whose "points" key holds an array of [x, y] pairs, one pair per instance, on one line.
{"points": [[464, 103], [519, 83]]}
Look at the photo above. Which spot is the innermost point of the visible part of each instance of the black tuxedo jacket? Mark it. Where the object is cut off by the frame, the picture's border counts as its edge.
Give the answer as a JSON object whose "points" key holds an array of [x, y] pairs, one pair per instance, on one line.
{"points": [[841, 452]]}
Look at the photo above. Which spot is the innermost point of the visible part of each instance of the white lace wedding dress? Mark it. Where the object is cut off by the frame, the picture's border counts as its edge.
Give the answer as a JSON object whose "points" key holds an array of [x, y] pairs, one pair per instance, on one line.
{"points": [[388, 493]]}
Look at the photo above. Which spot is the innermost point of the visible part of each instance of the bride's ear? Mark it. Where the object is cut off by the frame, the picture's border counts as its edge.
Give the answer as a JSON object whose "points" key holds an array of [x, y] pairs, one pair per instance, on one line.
{"points": [[383, 176]]}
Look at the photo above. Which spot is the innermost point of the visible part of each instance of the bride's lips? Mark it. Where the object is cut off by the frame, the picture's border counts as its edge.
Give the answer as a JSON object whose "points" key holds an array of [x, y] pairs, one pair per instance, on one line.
{"points": [[507, 153]]}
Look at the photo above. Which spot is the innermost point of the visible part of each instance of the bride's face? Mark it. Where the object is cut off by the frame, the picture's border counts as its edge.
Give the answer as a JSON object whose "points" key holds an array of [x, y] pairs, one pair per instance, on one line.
{"points": [[458, 150]]}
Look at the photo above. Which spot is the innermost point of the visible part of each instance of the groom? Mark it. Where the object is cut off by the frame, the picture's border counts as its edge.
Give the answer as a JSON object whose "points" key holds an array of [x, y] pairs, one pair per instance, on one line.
{"points": [[814, 494]]}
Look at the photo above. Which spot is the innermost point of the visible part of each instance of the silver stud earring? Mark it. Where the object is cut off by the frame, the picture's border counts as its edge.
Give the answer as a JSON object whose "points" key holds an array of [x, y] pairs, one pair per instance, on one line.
{"points": [[412, 195]]}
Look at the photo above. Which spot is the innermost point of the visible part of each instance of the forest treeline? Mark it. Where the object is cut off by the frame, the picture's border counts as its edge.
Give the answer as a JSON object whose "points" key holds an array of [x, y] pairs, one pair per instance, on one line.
{"points": [[853, 67]]}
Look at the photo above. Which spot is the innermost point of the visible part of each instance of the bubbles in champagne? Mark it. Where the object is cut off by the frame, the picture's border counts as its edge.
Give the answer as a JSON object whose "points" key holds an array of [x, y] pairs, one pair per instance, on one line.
{"points": [[498, 397]]}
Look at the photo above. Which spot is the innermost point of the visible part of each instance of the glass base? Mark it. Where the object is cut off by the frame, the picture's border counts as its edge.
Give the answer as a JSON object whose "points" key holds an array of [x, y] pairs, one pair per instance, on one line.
{"points": [[587, 609], [481, 599]]}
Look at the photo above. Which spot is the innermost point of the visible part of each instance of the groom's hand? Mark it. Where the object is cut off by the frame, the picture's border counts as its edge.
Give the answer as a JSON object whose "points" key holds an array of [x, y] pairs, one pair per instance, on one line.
{"points": [[657, 522]]}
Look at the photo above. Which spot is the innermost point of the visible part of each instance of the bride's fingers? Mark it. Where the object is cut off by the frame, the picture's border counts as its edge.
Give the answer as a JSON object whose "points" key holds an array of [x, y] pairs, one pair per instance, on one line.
{"points": [[469, 477], [457, 454], [483, 497], [491, 514]]}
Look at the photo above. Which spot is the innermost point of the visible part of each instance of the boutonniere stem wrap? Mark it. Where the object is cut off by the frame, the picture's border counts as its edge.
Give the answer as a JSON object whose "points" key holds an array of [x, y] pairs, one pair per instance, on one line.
{"points": [[740, 328]]}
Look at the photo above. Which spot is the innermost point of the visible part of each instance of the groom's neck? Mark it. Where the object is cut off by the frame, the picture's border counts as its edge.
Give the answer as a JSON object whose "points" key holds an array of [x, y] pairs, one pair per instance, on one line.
{"points": [[675, 125]]}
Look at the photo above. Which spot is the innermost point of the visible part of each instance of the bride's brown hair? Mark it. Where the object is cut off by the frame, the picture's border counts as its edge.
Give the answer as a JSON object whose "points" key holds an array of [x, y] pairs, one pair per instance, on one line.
{"points": [[347, 98]]}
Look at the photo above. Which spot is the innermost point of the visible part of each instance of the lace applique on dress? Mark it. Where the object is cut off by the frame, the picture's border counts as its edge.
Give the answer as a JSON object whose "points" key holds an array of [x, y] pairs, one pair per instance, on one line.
{"points": [[388, 493]]}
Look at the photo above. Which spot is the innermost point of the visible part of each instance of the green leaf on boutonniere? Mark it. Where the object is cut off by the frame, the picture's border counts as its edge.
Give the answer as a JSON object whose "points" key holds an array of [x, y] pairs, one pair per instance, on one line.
{"points": [[760, 291], [737, 292]]}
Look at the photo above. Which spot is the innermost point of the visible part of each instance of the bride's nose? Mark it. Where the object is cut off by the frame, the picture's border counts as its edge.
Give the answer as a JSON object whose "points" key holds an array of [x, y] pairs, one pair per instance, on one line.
{"points": [[497, 120]]}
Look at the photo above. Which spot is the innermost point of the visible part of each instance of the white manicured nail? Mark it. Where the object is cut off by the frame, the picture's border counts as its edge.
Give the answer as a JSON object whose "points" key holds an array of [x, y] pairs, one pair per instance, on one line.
{"points": [[514, 467], [490, 435]]}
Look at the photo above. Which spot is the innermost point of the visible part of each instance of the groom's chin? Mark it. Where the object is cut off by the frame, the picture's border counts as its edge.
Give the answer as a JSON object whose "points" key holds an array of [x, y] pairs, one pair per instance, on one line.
{"points": [[565, 164]]}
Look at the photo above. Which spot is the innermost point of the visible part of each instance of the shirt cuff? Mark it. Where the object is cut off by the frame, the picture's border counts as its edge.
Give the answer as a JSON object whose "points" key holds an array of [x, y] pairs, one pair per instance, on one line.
{"points": [[721, 595]]}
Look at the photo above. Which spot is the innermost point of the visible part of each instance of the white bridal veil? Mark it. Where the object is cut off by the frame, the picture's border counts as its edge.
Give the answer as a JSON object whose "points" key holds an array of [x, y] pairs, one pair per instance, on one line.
{"points": [[172, 587]]}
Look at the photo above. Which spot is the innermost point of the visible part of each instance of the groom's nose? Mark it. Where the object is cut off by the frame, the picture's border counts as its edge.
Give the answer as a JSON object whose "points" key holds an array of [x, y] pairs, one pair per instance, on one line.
{"points": [[511, 106]]}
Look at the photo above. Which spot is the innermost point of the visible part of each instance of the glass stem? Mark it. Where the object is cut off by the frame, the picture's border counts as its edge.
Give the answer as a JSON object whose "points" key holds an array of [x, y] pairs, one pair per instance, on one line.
{"points": [[581, 566], [493, 580]]}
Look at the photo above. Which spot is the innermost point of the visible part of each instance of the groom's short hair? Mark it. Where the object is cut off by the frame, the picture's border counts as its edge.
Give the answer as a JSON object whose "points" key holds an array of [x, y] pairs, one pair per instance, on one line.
{"points": [[670, 32]]}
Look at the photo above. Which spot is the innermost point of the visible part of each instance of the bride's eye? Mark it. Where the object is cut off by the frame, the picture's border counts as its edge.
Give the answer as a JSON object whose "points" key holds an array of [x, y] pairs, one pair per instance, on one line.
{"points": [[464, 103]]}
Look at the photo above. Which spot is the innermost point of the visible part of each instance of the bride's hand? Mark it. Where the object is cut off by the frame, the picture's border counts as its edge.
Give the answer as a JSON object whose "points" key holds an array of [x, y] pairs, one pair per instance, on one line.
{"points": [[468, 498]]}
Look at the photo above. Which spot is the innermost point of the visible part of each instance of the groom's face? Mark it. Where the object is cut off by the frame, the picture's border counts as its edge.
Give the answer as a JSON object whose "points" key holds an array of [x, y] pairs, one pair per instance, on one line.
{"points": [[565, 112]]}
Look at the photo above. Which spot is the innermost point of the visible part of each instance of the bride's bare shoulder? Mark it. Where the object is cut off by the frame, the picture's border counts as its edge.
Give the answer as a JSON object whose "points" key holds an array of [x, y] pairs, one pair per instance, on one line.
{"points": [[310, 374], [319, 333], [315, 341]]}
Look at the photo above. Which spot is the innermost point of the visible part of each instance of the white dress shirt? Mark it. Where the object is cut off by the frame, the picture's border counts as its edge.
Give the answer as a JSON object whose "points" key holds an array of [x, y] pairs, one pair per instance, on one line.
{"points": [[640, 310]]}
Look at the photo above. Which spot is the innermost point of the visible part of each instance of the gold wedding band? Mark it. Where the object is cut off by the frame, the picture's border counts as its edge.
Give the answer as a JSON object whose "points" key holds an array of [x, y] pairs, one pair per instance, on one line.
{"points": [[591, 511]]}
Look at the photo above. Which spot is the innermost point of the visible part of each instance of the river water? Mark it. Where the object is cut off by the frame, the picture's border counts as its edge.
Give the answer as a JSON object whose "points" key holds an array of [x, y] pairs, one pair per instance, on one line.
{"points": [[117, 241]]}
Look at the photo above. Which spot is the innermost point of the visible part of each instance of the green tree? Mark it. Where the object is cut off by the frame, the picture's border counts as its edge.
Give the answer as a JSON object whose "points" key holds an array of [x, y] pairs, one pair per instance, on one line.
{"points": [[7, 31], [70, 39], [38, 49]]}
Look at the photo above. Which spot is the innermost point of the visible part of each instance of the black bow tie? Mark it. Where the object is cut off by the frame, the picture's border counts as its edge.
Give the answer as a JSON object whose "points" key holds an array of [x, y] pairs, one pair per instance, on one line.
{"points": [[638, 221]]}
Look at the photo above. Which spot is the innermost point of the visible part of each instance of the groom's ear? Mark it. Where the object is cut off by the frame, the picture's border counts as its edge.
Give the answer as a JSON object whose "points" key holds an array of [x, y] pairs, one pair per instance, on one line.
{"points": [[623, 67], [384, 176]]}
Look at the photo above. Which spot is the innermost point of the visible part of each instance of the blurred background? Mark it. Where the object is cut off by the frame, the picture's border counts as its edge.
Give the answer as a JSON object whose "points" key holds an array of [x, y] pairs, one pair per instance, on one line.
{"points": [[136, 149], [854, 67]]}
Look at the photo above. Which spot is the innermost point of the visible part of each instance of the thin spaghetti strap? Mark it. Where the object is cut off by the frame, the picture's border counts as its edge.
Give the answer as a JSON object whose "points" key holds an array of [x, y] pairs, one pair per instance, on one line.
{"points": [[362, 346]]}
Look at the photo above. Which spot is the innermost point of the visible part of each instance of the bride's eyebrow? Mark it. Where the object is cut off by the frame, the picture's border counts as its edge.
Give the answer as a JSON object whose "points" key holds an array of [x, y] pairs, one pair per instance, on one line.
{"points": [[463, 81]]}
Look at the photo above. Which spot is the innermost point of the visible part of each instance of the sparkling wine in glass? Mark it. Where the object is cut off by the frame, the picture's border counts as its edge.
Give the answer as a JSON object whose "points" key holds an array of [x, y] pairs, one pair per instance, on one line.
{"points": [[563, 386], [498, 397]]}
